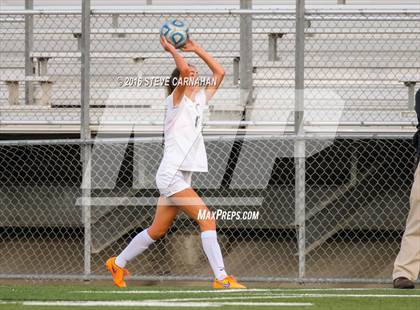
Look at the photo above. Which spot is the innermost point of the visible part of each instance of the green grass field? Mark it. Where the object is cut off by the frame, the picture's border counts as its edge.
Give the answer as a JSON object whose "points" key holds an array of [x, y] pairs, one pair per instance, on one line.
{"points": [[95, 297]]}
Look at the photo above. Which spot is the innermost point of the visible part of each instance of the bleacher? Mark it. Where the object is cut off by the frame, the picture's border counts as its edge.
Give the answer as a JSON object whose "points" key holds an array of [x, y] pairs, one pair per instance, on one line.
{"points": [[359, 71]]}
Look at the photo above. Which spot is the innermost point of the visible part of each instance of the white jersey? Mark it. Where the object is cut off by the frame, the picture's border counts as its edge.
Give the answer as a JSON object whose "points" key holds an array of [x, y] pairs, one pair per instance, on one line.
{"points": [[184, 143]]}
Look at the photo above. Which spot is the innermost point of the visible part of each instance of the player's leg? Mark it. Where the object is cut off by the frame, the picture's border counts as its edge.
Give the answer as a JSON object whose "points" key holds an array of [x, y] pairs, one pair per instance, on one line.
{"points": [[189, 202], [407, 264], [164, 217]]}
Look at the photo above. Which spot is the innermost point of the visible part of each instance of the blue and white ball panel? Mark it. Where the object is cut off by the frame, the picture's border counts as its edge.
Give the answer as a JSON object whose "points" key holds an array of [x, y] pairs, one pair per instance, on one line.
{"points": [[164, 30], [175, 32]]}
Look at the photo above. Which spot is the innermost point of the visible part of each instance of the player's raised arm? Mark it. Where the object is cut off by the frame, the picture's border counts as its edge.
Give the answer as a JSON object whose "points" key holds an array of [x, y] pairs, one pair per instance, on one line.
{"points": [[182, 66], [215, 67]]}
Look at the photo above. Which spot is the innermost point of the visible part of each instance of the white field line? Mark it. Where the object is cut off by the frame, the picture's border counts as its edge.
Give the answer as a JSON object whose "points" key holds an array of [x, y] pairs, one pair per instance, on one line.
{"points": [[232, 291], [119, 303], [349, 295], [278, 304], [226, 298], [153, 303], [213, 301], [163, 292], [285, 296], [342, 295]]}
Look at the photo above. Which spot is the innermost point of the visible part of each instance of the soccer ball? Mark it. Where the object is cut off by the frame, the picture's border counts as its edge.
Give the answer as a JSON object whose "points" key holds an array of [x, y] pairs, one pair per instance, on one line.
{"points": [[175, 32]]}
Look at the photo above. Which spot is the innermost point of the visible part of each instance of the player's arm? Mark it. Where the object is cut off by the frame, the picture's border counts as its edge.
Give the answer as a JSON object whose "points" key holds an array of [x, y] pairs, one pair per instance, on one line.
{"points": [[182, 67], [215, 67]]}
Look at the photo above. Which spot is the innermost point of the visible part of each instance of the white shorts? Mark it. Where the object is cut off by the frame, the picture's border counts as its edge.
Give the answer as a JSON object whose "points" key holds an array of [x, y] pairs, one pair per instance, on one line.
{"points": [[170, 182]]}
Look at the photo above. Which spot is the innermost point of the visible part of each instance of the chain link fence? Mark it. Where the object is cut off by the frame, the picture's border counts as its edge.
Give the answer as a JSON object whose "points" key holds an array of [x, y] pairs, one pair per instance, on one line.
{"points": [[357, 194], [356, 186]]}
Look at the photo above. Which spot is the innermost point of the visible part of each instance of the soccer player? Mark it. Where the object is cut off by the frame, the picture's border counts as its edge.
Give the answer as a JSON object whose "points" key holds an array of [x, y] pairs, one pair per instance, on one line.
{"points": [[407, 264], [184, 153]]}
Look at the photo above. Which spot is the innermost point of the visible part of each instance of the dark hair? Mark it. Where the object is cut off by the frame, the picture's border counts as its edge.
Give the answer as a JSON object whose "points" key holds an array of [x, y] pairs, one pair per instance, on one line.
{"points": [[174, 77]]}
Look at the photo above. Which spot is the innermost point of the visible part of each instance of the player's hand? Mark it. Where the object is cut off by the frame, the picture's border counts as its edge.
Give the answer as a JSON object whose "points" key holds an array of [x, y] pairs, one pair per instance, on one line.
{"points": [[189, 46], [166, 45]]}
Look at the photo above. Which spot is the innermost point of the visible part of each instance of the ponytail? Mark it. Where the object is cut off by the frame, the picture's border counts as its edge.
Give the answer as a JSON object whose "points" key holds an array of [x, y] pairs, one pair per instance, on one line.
{"points": [[172, 81]]}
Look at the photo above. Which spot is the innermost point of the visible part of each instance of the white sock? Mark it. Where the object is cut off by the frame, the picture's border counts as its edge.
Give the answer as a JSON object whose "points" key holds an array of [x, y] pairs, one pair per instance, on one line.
{"points": [[137, 246], [214, 255]]}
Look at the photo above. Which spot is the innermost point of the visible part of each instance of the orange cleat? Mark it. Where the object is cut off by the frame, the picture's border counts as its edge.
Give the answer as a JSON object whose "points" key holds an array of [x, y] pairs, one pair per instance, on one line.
{"points": [[118, 273], [227, 283]]}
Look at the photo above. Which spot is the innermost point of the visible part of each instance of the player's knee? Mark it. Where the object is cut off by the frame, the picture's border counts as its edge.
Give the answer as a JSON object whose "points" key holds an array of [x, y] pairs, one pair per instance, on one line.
{"points": [[157, 232], [207, 224]]}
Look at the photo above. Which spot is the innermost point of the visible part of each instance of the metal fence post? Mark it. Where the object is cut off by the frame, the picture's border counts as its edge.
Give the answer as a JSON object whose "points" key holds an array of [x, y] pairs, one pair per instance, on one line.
{"points": [[29, 67], [245, 62], [411, 94], [300, 146], [115, 25], [245, 87], [84, 135]]}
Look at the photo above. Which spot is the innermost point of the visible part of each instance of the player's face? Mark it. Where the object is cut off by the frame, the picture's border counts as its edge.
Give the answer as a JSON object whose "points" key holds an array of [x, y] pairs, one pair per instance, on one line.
{"points": [[193, 71]]}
